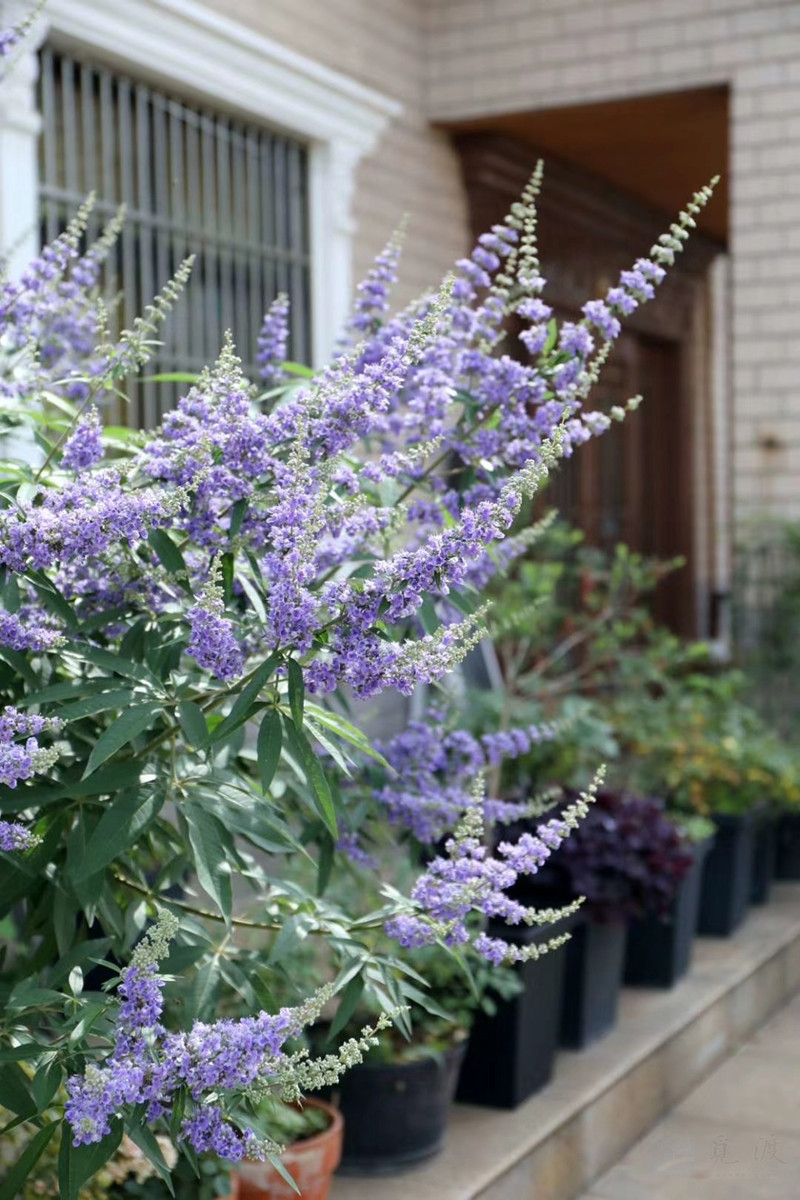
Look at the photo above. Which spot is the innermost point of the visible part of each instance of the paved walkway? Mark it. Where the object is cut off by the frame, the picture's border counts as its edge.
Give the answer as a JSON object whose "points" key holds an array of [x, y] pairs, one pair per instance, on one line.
{"points": [[736, 1137]]}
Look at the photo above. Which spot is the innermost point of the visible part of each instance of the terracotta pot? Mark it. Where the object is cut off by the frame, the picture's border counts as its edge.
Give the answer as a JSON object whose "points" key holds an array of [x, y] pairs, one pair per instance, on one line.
{"points": [[311, 1164]]}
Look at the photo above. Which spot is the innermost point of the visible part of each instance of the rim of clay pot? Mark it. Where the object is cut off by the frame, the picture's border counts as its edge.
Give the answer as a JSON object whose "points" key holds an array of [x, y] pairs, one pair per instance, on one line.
{"points": [[336, 1126]]}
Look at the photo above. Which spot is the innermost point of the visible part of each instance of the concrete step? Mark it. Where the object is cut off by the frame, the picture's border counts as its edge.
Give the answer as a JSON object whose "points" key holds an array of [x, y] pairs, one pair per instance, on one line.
{"points": [[602, 1100]]}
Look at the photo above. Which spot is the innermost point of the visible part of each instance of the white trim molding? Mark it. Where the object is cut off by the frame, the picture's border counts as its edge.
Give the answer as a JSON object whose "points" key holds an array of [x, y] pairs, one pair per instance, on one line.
{"points": [[206, 56]]}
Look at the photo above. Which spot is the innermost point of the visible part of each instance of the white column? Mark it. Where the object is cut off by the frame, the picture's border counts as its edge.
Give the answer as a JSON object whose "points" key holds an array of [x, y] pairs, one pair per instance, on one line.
{"points": [[332, 184], [20, 124]]}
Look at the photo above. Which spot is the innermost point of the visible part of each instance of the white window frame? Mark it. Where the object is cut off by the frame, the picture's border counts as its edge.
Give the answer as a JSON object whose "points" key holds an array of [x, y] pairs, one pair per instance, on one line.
{"points": [[202, 55]]}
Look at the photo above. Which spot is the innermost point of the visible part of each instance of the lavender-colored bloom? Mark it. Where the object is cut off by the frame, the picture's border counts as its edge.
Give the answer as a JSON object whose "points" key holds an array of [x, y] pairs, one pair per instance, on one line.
{"points": [[575, 339], [14, 836], [435, 770], [84, 447], [80, 521], [224, 1056], [19, 761], [213, 641], [19, 635], [469, 881], [372, 302], [601, 316], [273, 341], [350, 845]]}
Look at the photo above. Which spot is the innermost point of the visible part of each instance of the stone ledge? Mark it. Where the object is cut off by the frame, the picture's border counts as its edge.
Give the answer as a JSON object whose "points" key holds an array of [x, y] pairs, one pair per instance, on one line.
{"points": [[603, 1099]]}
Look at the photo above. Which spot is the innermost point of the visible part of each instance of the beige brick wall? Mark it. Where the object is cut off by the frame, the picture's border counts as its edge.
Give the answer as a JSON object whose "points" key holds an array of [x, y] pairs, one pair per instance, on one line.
{"points": [[380, 43], [488, 57]]}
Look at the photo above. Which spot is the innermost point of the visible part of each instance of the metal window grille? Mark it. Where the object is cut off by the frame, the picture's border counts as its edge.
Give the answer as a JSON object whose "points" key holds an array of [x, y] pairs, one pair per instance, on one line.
{"points": [[194, 182]]}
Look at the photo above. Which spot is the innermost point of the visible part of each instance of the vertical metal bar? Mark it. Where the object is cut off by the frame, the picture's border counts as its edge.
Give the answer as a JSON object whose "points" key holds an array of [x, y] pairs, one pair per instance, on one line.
{"points": [[49, 143], [210, 225], [88, 126], [280, 201], [268, 238], [131, 289], [295, 246], [245, 337], [164, 266], [255, 254], [144, 205], [195, 225], [72, 152], [178, 194], [222, 129], [108, 155]]}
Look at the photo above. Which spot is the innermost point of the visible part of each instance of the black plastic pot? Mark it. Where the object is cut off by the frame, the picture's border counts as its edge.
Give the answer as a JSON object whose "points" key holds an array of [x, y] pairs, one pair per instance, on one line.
{"points": [[765, 845], [659, 950], [787, 857], [592, 979], [727, 874], [395, 1114], [510, 1054]]}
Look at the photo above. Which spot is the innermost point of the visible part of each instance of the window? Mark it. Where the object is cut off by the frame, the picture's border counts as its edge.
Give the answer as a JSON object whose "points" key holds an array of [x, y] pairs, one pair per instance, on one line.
{"points": [[194, 181]]}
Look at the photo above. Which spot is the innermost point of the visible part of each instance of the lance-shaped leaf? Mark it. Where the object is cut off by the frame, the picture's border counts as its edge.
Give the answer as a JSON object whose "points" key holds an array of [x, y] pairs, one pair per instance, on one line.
{"points": [[126, 727], [268, 747], [211, 846]]}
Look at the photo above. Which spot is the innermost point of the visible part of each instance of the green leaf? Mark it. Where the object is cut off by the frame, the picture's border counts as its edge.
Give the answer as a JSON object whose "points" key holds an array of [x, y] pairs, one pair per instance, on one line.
{"points": [[90, 951], [237, 516], [428, 616], [46, 1083], [77, 1164], [210, 844], [293, 931], [203, 991], [111, 779], [193, 722], [325, 864], [268, 747], [294, 368], [226, 566], [52, 599], [15, 1092], [117, 664], [145, 1139], [344, 729], [320, 789], [20, 664], [68, 689], [347, 1005], [245, 705], [283, 1172], [26, 1050], [297, 691], [168, 553], [101, 702], [126, 727], [23, 1168], [465, 602], [119, 827], [254, 596]]}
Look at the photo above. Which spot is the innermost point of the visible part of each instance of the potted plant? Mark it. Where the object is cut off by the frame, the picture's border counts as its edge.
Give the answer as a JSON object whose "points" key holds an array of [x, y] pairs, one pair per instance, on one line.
{"points": [[396, 1105], [311, 1134], [515, 1034], [627, 860], [659, 946]]}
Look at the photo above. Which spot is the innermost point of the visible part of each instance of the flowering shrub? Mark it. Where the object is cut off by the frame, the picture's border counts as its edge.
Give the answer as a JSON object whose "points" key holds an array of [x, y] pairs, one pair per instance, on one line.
{"points": [[626, 858], [183, 615]]}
